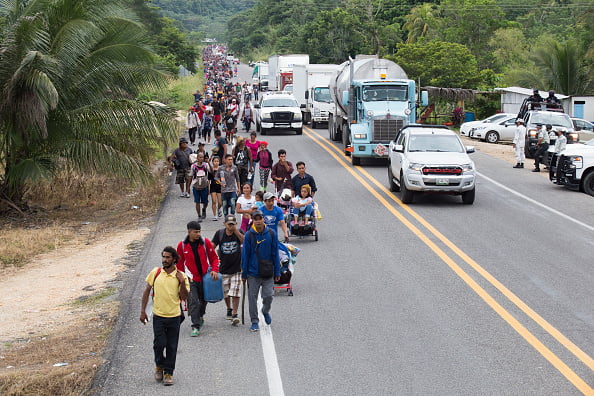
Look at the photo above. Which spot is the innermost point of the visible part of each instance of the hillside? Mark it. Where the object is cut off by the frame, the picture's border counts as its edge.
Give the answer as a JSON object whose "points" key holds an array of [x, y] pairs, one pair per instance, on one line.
{"points": [[209, 17]]}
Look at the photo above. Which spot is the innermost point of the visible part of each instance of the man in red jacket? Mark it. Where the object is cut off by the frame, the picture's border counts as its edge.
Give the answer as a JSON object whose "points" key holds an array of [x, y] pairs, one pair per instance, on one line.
{"points": [[196, 256]]}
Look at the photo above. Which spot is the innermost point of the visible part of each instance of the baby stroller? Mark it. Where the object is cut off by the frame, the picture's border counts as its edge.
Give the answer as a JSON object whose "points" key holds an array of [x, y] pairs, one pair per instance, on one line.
{"points": [[299, 227], [288, 256]]}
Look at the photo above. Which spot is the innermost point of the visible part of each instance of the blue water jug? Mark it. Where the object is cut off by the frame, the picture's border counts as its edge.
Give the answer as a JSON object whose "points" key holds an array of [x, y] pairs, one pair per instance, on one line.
{"points": [[213, 289]]}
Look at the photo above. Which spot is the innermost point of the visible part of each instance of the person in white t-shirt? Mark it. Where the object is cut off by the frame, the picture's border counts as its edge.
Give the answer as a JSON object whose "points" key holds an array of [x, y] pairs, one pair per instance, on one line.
{"points": [[245, 205]]}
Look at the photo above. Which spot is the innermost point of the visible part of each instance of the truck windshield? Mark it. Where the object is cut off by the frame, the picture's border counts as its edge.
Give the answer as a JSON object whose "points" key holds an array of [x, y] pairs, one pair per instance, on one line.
{"points": [[435, 143], [279, 102], [378, 93], [321, 94], [551, 118]]}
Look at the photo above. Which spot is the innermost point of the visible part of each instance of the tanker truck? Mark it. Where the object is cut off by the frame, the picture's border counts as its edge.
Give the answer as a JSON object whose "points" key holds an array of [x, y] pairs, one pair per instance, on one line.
{"points": [[372, 99]]}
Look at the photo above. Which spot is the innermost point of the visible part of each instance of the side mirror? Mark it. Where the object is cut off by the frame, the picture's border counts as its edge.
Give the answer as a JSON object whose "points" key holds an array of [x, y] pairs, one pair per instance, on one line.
{"points": [[257, 106], [398, 148], [424, 98], [469, 149]]}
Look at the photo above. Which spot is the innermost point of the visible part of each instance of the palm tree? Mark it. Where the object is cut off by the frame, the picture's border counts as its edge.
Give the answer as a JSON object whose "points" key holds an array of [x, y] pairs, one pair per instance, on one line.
{"points": [[69, 73], [562, 67], [417, 22]]}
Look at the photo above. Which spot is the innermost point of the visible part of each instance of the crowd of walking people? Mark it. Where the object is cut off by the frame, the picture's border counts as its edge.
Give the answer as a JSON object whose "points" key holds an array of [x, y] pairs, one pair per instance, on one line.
{"points": [[244, 252]]}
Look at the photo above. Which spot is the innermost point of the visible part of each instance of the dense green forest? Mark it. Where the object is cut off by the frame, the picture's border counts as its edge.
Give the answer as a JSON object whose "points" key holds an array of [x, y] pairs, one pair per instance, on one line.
{"points": [[203, 18], [451, 43]]}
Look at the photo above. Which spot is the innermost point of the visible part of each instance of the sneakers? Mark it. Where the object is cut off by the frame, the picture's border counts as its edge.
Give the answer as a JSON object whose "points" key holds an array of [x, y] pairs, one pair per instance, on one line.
{"points": [[254, 327], [229, 314], [167, 379], [536, 170], [215, 218], [267, 318], [203, 213], [187, 195], [158, 373], [182, 195], [518, 165], [234, 320], [220, 212], [195, 332]]}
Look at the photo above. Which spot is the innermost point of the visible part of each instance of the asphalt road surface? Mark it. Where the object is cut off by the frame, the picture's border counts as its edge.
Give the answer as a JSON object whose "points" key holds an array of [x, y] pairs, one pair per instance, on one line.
{"points": [[434, 298]]}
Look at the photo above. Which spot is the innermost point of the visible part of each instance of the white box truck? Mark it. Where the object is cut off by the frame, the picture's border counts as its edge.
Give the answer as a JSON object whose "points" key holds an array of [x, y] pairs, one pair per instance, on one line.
{"points": [[310, 87], [280, 69]]}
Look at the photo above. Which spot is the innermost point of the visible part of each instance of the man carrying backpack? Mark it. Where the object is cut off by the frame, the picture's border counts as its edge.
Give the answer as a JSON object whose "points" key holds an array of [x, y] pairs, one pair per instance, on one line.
{"points": [[196, 257], [169, 286], [229, 240], [199, 174], [260, 265]]}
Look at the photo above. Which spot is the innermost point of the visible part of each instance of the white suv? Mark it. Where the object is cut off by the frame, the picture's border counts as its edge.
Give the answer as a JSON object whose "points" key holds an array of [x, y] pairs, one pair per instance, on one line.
{"points": [[278, 111], [430, 158]]}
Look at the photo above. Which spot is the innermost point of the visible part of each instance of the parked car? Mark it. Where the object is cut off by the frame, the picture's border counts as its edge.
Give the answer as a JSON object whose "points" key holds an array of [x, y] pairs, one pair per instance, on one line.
{"points": [[493, 132], [580, 124], [278, 111], [430, 158], [467, 126]]}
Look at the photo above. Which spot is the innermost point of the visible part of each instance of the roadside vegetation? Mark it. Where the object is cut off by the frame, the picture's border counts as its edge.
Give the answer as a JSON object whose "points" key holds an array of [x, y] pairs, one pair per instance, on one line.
{"points": [[82, 155], [478, 44]]}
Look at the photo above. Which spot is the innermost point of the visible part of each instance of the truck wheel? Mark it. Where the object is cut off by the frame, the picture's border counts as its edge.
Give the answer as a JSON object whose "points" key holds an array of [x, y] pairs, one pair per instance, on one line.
{"points": [[299, 131], [313, 124], [468, 197], [492, 137], [346, 140], [588, 183], [355, 160], [393, 186], [263, 131], [406, 196]]}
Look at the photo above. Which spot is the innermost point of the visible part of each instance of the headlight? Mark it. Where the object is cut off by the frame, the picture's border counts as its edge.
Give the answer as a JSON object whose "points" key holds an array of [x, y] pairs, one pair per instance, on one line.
{"points": [[415, 166], [577, 162], [369, 113], [466, 168], [407, 111], [297, 116], [360, 136], [532, 133], [574, 136], [266, 115]]}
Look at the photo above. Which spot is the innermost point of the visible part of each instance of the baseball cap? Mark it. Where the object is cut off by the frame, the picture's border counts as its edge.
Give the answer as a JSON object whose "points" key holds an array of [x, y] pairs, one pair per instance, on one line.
{"points": [[183, 140], [257, 213], [230, 219], [268, 195]]}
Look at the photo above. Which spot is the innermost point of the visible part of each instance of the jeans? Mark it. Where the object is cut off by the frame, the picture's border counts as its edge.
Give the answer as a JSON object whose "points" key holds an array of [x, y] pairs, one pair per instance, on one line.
{"points": [[254, 285], [307, 209], [196, 303], [540, 153], [166, 332], [192, 134], [229, 200]]}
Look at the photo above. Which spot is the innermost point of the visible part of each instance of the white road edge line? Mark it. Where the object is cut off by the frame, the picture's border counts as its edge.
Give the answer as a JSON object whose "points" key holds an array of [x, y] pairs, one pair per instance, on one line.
{"points": [[275, 383], [589, 227]]}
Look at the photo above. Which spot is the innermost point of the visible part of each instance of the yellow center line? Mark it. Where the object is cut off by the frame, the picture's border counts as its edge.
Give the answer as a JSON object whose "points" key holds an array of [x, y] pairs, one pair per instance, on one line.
{"points": [[577, 381]]}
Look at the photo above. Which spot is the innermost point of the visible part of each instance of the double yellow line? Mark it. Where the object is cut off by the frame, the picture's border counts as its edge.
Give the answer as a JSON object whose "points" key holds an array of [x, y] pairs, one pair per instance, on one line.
{"points": [[567, 372]]}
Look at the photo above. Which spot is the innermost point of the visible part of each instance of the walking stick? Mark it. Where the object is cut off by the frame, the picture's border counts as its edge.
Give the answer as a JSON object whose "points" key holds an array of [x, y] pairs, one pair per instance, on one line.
{"points": [[243, 303]]}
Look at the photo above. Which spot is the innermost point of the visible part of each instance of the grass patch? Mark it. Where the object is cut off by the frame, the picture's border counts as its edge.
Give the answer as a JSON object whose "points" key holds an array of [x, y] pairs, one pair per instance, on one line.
{"points": [[95, 297], [32, 361]]}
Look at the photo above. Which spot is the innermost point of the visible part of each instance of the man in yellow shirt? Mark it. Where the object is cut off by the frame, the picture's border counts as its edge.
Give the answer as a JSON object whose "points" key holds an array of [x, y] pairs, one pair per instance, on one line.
{"points": [[169, 286]]}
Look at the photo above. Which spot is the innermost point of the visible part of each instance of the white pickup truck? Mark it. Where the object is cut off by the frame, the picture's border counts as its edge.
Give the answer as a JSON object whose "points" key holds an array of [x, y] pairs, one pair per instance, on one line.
{"points": [[430, 158], [576, 167]]}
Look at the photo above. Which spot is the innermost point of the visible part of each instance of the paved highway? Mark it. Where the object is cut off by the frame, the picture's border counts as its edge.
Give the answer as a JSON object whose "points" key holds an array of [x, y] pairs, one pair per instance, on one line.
{"points": [[436, 297]]}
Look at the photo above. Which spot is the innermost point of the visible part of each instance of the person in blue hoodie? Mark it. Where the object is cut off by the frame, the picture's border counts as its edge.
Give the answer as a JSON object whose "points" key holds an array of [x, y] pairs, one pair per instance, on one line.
{"points": [[260, 265]]}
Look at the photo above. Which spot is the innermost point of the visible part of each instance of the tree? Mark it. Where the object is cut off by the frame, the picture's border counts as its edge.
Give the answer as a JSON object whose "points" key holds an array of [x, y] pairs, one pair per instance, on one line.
{"points": [[420, 21], [69, 73], [562, 67], [438, 63]]}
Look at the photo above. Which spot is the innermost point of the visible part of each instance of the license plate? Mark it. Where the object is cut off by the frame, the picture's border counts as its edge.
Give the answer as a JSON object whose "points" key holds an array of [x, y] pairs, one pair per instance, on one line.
{"points": [[442, 182]]}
